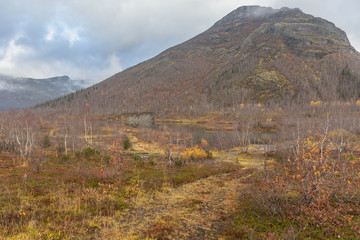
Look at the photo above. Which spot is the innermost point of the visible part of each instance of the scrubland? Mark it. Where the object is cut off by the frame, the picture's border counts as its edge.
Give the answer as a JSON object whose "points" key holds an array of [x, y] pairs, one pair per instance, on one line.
{"points": [[78, 177]]}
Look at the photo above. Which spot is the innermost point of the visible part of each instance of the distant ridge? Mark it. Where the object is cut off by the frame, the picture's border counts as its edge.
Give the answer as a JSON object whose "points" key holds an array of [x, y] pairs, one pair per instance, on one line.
{"points": [[18, 93]]}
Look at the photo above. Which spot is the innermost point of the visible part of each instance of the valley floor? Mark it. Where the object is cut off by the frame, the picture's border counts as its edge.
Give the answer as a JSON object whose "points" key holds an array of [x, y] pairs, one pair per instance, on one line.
{"points": [[223, 195], [194, 211], [194, 201]]}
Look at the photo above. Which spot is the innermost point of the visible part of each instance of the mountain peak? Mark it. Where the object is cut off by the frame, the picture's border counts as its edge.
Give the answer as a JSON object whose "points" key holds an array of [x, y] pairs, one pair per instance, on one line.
{"points": [[306, 35], [251, 13], [254, 53]]}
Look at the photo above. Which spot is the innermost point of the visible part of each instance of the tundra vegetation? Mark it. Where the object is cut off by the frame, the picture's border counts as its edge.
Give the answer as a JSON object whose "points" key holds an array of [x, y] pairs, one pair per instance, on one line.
{"points": [[285, 173]]}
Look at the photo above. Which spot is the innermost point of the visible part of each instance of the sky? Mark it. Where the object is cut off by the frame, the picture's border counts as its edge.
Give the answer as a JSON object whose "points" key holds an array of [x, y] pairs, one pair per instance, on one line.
{"points": [[91, 40]]}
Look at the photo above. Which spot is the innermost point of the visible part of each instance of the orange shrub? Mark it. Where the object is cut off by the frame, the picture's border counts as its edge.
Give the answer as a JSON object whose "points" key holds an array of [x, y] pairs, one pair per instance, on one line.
{"points": [[119, 161], [194, 153], [319, 183]]}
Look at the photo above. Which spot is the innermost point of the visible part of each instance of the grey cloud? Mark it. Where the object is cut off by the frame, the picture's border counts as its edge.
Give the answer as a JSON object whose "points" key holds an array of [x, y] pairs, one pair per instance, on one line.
{"points": [[108, 31], [111, 35]]}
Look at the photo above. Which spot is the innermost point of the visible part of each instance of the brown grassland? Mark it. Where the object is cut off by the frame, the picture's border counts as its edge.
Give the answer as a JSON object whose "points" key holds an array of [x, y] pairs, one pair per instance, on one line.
{"points": [[118, 182]]}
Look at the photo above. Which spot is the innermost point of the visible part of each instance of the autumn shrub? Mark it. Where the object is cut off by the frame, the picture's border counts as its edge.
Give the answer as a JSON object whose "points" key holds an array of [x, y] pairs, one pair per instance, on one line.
{"points": [[118, 159], [194, 153], [161, 228], [135, 186], [209, 154], [317, 186]]}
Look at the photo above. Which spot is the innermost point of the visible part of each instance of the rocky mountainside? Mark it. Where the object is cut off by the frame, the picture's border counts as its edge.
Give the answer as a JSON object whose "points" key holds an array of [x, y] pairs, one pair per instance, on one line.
{"points": [[26, 92], [254, 54]]}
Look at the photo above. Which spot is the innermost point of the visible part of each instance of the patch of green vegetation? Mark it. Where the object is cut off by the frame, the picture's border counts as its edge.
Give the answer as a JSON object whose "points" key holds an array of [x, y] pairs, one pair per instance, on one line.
{"points": [[191, 203], [136, 157], [267, 85], [151, 162], [60, 149], [46, 142], [89, 151], [92, 183], [180, 163], [66, 157], [250, 222], [126, 143], [77, 155], [191, 173]]}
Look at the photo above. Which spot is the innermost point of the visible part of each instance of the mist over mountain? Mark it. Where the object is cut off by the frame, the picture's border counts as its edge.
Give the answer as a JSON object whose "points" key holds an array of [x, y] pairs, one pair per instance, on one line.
{"points": [[26, 92], [254, 54]]}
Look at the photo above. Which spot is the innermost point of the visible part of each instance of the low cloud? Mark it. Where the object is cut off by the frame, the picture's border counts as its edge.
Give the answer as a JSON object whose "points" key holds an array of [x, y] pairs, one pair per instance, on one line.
{"points": [[8, 85]]}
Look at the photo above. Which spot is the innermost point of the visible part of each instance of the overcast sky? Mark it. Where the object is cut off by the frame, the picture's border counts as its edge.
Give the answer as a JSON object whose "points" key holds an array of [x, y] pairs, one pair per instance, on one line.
{"points": [[92, 40]]}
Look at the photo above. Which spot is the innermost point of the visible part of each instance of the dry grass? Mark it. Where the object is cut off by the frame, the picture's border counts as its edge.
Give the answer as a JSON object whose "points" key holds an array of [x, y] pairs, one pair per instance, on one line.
{"points": [[192, 211], [83, 199]]}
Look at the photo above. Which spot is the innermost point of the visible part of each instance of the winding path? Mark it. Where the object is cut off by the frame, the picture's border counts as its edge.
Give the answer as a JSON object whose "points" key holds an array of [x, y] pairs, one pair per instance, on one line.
{"points": [[194, 211]]}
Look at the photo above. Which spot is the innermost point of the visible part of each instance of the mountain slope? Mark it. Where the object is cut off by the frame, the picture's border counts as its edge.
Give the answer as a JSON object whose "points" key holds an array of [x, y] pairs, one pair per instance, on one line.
{"points": [[252, 54], [26, 92]]}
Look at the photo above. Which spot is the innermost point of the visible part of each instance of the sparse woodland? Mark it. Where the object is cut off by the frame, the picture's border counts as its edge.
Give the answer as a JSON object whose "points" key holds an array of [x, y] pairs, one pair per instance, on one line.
{"points": [[84, 176]]}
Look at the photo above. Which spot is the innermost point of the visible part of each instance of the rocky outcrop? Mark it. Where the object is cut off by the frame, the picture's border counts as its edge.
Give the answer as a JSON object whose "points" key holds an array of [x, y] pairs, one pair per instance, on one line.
{"points": [[305, 35]]}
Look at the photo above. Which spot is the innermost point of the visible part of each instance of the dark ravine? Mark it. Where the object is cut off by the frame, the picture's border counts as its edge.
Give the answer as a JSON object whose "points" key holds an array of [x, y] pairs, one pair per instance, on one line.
{"points": [[254, 54]]}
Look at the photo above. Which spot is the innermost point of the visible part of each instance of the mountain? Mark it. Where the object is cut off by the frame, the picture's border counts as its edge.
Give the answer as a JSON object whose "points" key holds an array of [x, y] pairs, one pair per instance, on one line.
{"points": [[26, 92], [254, 54]]}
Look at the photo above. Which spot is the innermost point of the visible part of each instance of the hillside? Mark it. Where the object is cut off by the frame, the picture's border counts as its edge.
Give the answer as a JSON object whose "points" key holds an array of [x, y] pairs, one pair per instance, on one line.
{"points": [[26, 92], [254, 54]]}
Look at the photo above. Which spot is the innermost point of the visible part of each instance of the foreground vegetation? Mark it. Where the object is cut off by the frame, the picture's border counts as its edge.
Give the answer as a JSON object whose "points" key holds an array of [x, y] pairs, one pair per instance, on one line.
{"points": [[311, 193], [84, 197], [314, 193], [77, 177]]}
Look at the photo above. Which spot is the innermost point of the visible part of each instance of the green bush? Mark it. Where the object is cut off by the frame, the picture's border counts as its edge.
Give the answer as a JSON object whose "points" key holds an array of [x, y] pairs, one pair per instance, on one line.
{"points": [[127, 143], [46, 142], [92, 183], [88, 152], [77, 155], [180, 163], [151, 162], [60, 149], [136, 157], [106, 159], [66, 157]]}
